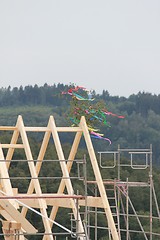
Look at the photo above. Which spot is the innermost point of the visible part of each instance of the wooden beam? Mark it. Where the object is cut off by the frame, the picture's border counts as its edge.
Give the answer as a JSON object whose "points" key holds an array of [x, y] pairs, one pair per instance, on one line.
{"points": [[5, 180], [39, 163], [10, 145], [11, 230], [13, 225], [69, 166], [17, 216], [58, 129], [7, 128], [99, 179], [65, 172], [63, 202], [14, 140], [33, 172]]}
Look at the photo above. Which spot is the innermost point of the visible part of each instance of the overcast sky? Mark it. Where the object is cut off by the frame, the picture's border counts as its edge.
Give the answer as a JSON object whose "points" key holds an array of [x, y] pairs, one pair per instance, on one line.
{"points": [[109, 45]]}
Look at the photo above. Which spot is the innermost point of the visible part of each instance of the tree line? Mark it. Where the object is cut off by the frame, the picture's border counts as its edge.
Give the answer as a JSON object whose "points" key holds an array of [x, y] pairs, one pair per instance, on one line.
{"points": [[141, 102], [138, 129]]}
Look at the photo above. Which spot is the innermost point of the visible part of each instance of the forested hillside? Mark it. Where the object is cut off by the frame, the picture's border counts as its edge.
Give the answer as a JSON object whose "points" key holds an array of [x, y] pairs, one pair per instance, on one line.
{"points": [[138, 129]]}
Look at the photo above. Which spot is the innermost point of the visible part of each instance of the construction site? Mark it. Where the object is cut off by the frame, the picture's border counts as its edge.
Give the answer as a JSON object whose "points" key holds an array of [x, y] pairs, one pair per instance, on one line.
{"points": [[92, 205]]}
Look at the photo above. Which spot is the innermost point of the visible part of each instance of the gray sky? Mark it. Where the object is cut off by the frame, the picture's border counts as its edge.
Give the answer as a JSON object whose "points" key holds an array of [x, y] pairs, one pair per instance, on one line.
{"points": [[109, 45]]}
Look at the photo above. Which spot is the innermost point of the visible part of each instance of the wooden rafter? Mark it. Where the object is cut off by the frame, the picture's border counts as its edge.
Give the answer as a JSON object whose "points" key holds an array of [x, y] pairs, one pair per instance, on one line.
{"points": [[51, 131]]}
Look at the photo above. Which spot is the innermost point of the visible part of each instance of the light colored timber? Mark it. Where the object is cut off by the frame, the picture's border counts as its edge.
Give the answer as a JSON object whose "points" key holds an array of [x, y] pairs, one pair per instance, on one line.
{"points": [[34, 197], [65, 172], [7, 128], [33, 172], [10, 229], [39, 163], [17, 216], [11, 145], [14, 140], [13, 225], [62, 202], [5, 180], [58, 129], [69, 166], [99, 179]]}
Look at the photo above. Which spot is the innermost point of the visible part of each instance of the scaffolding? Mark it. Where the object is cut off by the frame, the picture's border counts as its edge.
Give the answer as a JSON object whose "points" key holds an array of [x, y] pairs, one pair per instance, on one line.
{"points": [[123, 191]]}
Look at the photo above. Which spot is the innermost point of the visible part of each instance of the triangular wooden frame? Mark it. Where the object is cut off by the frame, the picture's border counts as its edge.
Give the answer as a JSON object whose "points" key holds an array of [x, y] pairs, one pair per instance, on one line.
{"points": [[51, 131]]}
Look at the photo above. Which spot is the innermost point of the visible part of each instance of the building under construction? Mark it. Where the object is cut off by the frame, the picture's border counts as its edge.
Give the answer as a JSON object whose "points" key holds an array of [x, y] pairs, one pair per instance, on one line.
{"points": [[92, 205]]}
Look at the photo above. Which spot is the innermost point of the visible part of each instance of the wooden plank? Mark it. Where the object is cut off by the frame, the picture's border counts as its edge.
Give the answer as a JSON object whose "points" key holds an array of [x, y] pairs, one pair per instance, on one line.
{"points": [[46, 129], [92, 202], [39, 163], [65, 172], [36, 129], [29, 157], [11, 145], [99, 179], [42, 196], [35, 180], [5, 214], [7, 128], [13, 225], [5, 180], [14, 140], [17, 216], [64, 203], [69, 166], [68, 129]]}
